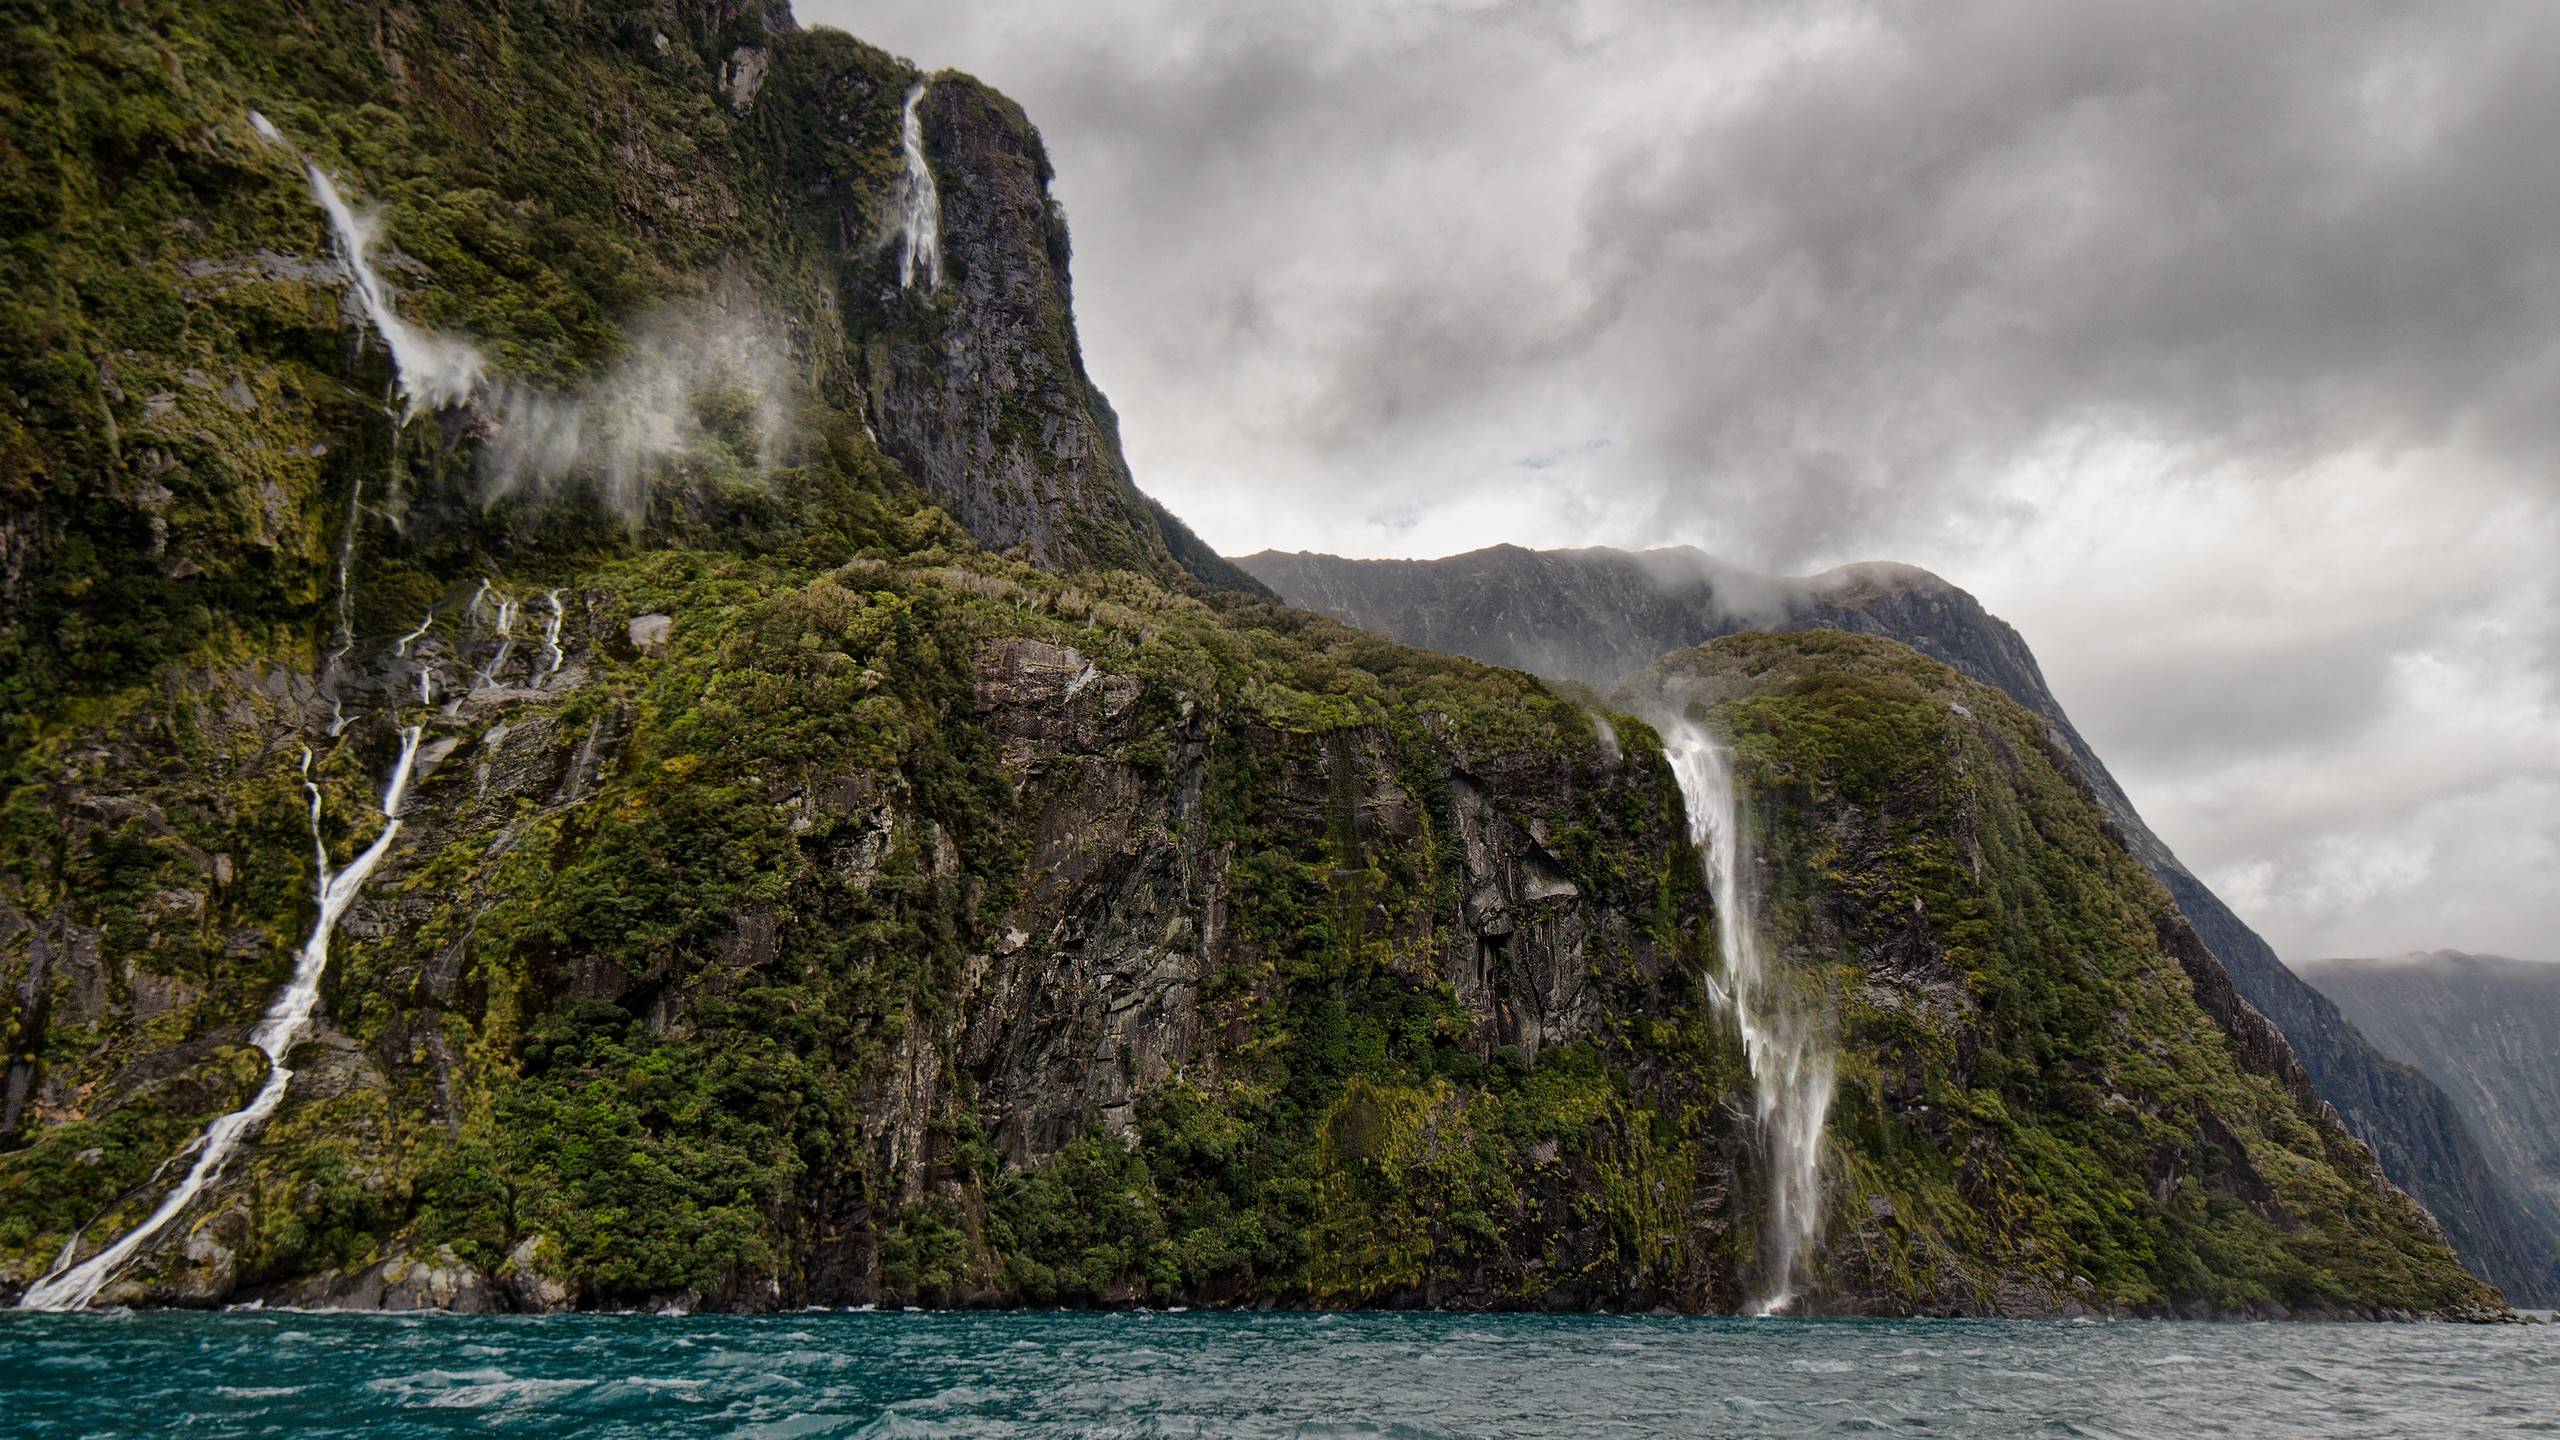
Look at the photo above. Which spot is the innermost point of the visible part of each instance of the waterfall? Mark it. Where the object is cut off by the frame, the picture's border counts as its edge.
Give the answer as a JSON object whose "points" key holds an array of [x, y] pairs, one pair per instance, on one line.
{"points": [[431, 371], [505, 626], [552, 655], [620, 424], [346, 571], [1785, 1043], [426, 669], [401, 646], [434, 371], [919, 204], [69, 1287], [346, 605]]}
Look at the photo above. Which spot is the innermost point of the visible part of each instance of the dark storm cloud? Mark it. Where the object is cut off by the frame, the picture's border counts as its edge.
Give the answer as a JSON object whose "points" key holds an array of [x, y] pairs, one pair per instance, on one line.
{"points": [[2217, 346]]}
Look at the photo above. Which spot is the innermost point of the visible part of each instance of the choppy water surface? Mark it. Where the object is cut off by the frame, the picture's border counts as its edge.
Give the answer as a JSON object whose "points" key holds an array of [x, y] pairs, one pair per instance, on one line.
{"points": [[1418, 1376]]}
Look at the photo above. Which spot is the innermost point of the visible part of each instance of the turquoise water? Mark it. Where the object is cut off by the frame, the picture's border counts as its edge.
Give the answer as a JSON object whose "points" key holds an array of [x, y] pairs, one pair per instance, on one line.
{"points": [[1175, 1374]]}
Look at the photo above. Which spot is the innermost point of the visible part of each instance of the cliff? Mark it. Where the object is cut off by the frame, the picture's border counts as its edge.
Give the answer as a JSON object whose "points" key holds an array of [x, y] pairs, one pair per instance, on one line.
{"points": [[2051, 1094], [2486, 1030]]}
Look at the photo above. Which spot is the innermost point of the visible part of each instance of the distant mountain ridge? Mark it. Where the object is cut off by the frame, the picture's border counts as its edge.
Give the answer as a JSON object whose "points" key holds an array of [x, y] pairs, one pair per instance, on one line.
{"points": [[2487, 1030], [1597, 614]]}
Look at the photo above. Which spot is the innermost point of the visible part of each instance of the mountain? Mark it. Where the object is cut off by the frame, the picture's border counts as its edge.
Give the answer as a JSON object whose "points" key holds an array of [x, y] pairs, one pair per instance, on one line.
{"points": [[2486, 1030], [1595, 615], [593, 718]]}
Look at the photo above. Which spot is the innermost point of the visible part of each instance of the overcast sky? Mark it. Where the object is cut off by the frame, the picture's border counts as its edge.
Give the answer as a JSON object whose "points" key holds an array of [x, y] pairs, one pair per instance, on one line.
{"points": [[2215, 346]]}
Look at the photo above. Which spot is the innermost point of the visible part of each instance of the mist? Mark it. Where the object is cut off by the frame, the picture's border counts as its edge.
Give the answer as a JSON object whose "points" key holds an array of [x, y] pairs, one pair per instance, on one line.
{"points": [[697, 387]]}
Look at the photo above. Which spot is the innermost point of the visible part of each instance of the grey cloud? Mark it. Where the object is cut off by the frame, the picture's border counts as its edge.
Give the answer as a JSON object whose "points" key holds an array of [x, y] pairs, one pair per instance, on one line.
{"points": [[1940, 242]]}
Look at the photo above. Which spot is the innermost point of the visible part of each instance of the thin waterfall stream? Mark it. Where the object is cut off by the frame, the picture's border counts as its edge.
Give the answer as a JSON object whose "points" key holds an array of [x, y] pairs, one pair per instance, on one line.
{"points": [[1785, 1041], [70, 1287]]}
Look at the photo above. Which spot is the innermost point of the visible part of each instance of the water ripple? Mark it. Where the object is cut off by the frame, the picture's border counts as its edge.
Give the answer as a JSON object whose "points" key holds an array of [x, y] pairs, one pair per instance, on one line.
{"points": [[1259, 1377]]}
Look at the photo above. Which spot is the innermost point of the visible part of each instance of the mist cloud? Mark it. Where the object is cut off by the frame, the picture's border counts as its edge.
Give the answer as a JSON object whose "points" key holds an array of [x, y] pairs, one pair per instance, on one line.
{"points": [[695, 385]]}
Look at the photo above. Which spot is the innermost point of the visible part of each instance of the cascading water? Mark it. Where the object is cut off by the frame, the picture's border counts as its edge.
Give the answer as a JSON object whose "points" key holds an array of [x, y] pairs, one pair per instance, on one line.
{"points": [[426, 671], [431, 372], [505, 627], [919, 204], [618, 426], [70, 1287], [552, 655], [400, 647], [1785, 1042]]}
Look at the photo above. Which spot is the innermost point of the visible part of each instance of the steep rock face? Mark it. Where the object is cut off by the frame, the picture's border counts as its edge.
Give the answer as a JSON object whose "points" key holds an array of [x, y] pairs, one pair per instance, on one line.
{"points": [[977, 382], [1595, 615], [2486, 1030], [1040, 907]]}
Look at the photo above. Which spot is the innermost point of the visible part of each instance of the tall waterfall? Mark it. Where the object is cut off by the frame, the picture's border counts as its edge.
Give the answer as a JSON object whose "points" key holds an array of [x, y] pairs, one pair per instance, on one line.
{"points": [[620, 423], [1786, 1043], [919, 204], [70, 1286]]}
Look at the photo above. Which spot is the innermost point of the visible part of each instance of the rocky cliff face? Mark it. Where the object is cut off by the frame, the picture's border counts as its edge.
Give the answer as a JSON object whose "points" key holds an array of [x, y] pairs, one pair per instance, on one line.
{"points": [[798, 897], [977, 382], [2039, 1057], [1595, 615], [877, 991]]}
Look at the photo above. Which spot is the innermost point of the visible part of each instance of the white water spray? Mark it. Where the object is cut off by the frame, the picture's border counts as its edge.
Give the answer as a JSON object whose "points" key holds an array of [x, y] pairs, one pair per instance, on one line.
{"points": [[698, 389], [434, 371], [919, 204], [1786, 1044], [675, 393], [430, 372], [70, 1287]]}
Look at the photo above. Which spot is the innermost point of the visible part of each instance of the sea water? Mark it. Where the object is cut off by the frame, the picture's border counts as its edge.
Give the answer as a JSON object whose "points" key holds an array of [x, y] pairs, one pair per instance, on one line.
{"points": [[1420, 1376]]}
